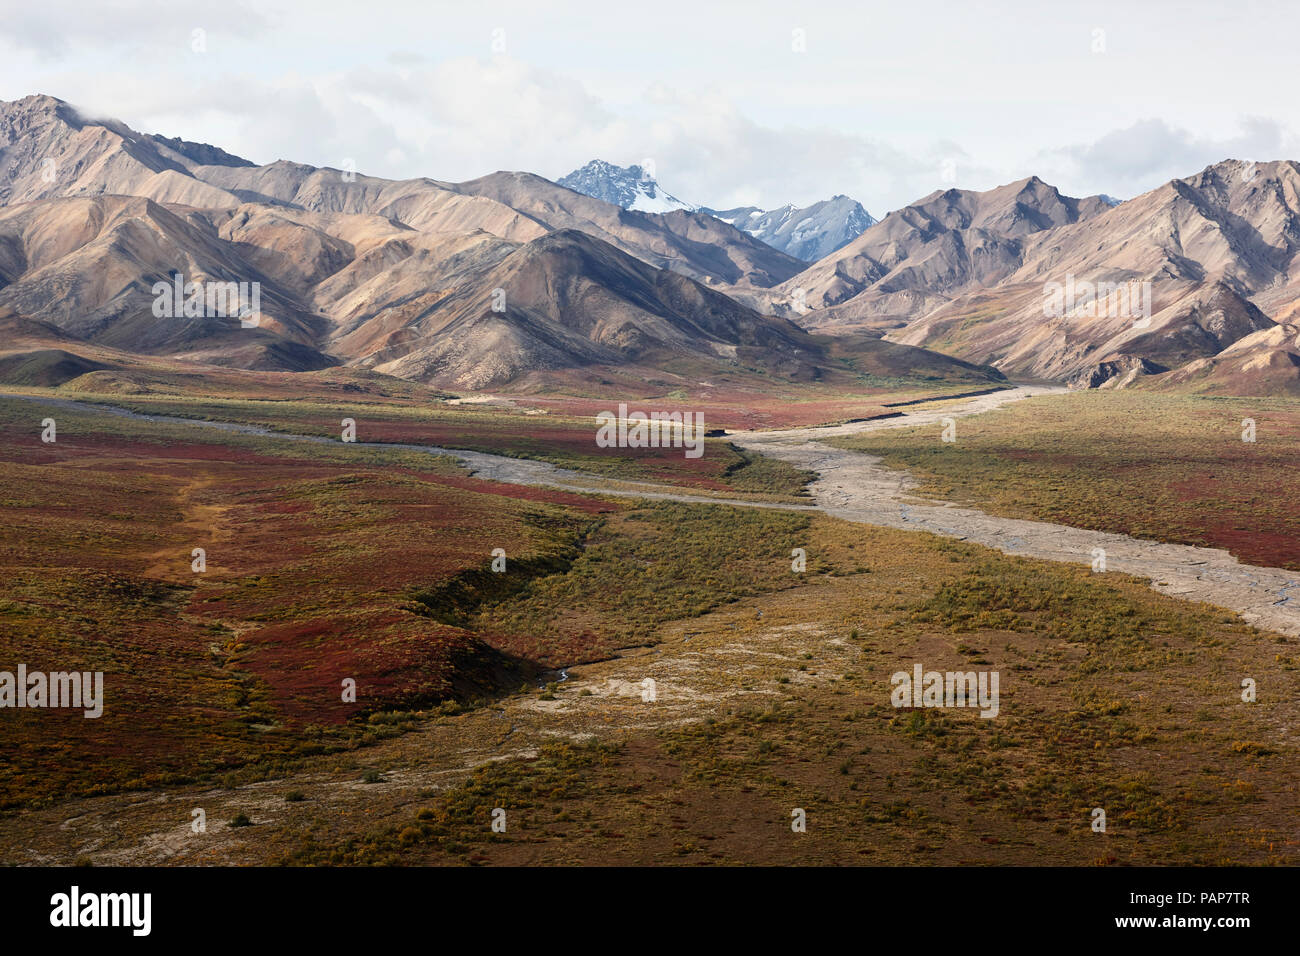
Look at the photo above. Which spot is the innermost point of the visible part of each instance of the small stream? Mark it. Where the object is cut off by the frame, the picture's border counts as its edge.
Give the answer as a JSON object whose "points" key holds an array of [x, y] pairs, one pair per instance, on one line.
{"points": [[858, 488]]}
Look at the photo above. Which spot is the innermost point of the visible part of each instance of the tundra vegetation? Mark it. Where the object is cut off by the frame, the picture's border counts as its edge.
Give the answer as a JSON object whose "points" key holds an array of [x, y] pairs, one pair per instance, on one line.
{"points": [[1168, 468], [525, 690]]}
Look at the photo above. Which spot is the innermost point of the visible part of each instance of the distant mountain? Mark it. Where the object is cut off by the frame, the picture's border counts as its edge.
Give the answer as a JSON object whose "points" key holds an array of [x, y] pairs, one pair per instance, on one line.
{"points": [[691, 243], [1264, 363], [1219, 252], [506, 279], [809, 233], [927, 253], [630, 187], [1192, 268], [48, 149], [569, 300], [510, 278], [88, 265]]}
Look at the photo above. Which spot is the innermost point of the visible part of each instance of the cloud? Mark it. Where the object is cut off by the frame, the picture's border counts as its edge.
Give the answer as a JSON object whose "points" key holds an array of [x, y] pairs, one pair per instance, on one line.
{"points": [[1126, 162], [462, 118], [57, 28], [724, 125]]}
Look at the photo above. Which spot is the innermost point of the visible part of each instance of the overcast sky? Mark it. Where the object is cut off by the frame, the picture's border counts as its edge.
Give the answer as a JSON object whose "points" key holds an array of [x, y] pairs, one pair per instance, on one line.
{"points": [[734, 103]]}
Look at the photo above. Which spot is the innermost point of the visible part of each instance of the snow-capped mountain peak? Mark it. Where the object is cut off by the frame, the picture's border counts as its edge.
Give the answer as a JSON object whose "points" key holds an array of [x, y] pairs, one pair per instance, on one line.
{"points": [[805, 233], [631, 187]]}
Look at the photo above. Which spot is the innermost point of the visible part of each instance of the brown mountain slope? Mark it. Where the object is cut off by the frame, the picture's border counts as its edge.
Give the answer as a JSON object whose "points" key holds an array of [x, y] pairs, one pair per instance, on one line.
{"points": [[566, 300], [368, 291], [48, 149], [420, 204], [399, 276], [98, 157], [1218, 250], [694, 244], [1264, 363], [1234, 221], [925, 254], [357, 269], [1006, 327], [519, 207], [88, 266]]}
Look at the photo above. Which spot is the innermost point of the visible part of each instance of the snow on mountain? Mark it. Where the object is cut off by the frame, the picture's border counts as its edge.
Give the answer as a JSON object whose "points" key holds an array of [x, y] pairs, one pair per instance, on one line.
{"points": [[807, 233], [631, 187]]}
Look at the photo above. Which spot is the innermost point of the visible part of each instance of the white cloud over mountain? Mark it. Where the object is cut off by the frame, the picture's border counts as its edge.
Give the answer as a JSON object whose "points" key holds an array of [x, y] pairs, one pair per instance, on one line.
{"points": [[884, 105]]}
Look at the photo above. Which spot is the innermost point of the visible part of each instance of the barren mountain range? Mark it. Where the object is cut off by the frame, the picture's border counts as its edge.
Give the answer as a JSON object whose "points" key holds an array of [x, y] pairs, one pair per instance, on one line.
{"points": [[466, 285], [631, 187], [807, 233], [966, 273], [510, 276]]}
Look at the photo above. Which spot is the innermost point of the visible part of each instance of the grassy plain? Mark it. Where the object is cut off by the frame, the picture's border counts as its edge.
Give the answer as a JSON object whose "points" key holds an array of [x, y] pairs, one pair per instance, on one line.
{"points": [[322, 562], [1169, 468], [1113, 697], [525, 690], [498, 427]]}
